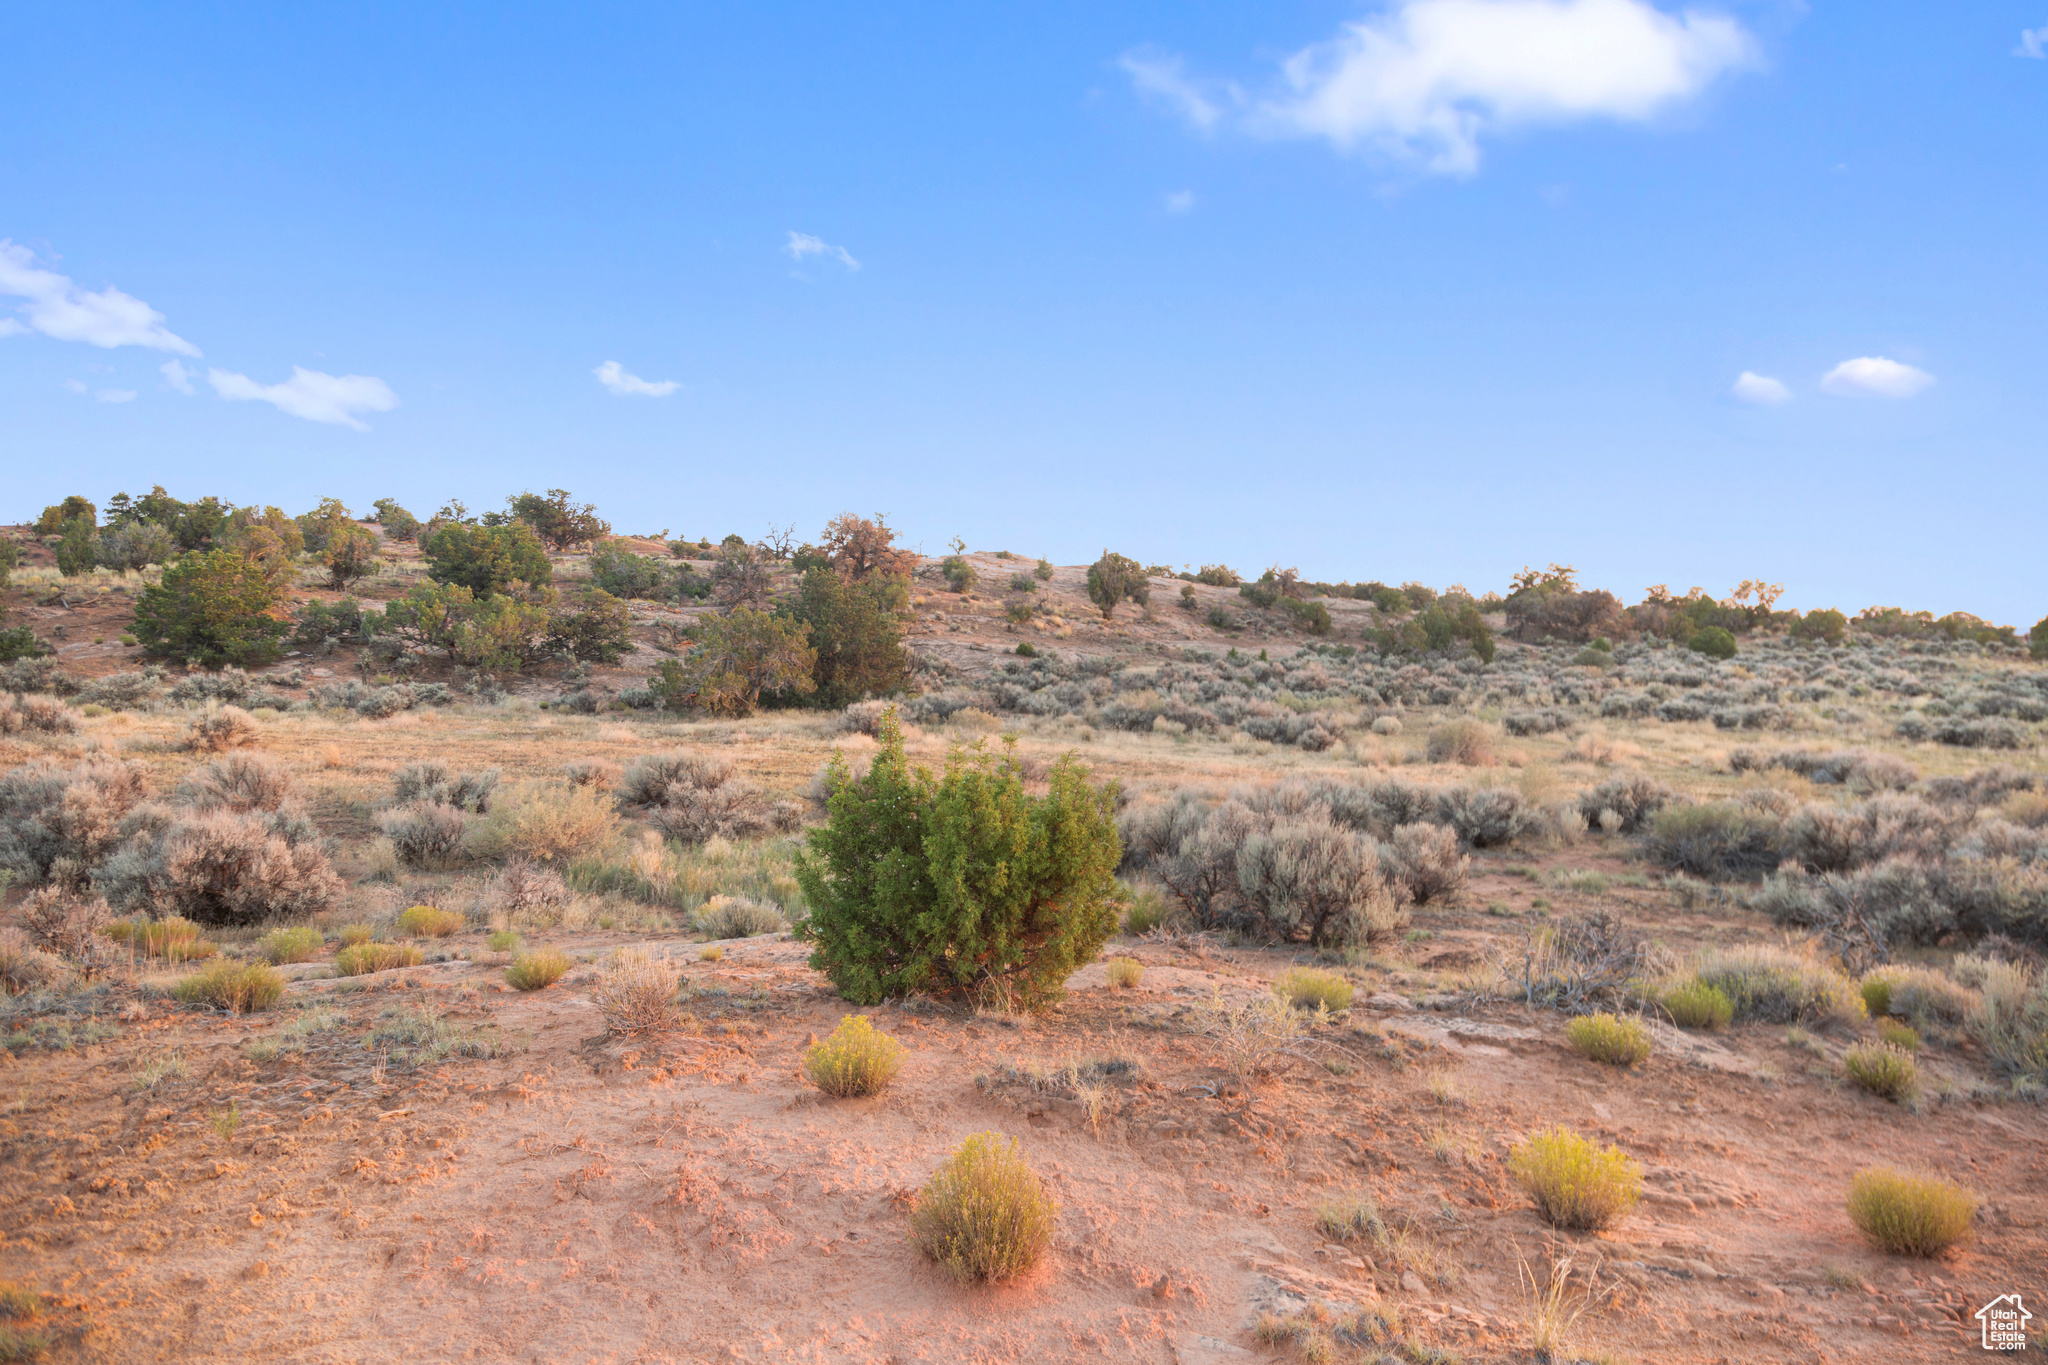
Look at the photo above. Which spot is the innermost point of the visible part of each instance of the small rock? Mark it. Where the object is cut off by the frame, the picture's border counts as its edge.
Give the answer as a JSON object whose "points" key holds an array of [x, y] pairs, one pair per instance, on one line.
{"points": [[1412, 1282], [323, 672]]}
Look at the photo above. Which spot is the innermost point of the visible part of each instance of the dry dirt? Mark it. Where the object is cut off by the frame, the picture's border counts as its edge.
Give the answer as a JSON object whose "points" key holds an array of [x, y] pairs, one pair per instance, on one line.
{"points": [[688, 1197]]}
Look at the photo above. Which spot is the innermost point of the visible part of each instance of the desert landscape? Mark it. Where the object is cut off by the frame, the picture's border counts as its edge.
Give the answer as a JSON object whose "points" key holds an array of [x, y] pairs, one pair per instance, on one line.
{"points": [[494, 937]]}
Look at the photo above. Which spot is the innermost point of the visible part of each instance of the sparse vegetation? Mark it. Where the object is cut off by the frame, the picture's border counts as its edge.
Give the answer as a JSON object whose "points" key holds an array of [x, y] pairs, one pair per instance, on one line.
{"points": [[1609, 1038], [1575, 1182], [1124, 972], [429, 921], [985, 1215], [1696, 1005], [1314, 988], [300, 943], [1910, 1215], [238, 987], [538, 969], [635, 991], [1884, 1070], [360, 959], [856, 1059]]}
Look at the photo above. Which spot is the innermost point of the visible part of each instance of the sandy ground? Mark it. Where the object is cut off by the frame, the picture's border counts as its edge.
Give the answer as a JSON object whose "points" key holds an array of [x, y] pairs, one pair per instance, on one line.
{"points": [[688, 1198]]}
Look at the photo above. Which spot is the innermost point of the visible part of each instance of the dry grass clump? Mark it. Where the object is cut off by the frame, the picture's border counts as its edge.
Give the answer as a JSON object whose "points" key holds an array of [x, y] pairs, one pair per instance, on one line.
{"points": [[695, 798], [1261, 1036], [352, 935], [2011, 1020], [1314, 988], [1124, 972], [360, 959], [502, 941], [1909, 1215], [238, 782], [28, 713], [300, 943], [25, 967], [1920, 994], [426, 836], [594, 772], [221, 729], [857, 1059], [537, 970], [737, 917], [636, 992], [429, 921], [547, 825], [1883, 1069], [173, 938], [1464, 741], [238, 987], [1350, 1220], [1609, 1038], [1424, 860], [19, 1304], [1576, 1182], [711, 952], [985, 1215], [1696, 1005], [1780, 986], [1899, 1034]]}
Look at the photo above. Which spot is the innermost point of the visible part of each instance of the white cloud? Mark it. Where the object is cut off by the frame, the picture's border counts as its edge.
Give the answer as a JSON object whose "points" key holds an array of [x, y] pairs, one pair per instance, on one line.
{"points": [[1873, 374], [58, 308], [1180, 201], [177, 375], [1427, 79], [115, 396], [1202, 103], [2033, 43], [75, 385], [802, 244], [1761, 389], [613, 376], [312, 395]]}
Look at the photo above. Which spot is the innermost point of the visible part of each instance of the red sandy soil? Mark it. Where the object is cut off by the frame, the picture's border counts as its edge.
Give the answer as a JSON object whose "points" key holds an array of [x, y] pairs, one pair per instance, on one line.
{"points": [[689, 1198]]}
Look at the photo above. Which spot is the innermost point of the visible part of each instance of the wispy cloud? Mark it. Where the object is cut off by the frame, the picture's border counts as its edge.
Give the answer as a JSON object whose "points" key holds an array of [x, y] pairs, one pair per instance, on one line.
{"points": [[613, 376], [1425, 81], [2033, 43], [802, 244], [312, 395], [1875, 375], [1165, 79], [1760, 389], [115, 396], [177, 375], [1180, 201], [56, 307]]}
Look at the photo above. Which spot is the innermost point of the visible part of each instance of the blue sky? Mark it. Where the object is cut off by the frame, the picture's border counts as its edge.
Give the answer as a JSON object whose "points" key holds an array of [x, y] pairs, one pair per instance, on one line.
{"points": [[1425, 289]]}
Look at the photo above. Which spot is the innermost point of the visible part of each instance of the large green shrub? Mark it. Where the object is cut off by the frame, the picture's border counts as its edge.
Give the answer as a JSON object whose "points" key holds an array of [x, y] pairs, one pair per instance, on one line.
{"points": [[1714, 642], [1113, 578], [398, 523], [77, 552], [1825, 626], [622, 573], [2037, 639], [959, 881], [219, 607], [486, 559], [558, 520], [594, 627], [736, 658], [351, 553], [74, 508], [507, 630], [854, 629]]}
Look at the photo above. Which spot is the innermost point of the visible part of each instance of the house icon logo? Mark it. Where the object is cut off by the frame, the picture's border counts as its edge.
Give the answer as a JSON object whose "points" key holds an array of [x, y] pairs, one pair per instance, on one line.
{"points": [[2005, 1323]]}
